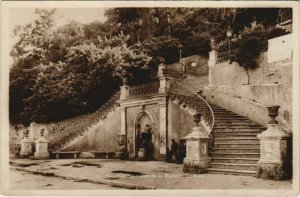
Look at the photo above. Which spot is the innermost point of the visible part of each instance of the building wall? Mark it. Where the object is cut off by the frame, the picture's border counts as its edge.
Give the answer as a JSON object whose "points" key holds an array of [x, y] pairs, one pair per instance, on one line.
{"points": [[270, 84]]}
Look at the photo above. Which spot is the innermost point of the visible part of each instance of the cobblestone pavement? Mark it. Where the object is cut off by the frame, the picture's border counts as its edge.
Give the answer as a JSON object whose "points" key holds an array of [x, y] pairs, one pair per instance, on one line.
{"points": [[87, 173]]}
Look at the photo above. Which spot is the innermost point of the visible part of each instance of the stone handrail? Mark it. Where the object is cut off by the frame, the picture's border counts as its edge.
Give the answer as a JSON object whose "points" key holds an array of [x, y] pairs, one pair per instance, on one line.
{"points": [[81, 123], [193, 100], [144, 89]]}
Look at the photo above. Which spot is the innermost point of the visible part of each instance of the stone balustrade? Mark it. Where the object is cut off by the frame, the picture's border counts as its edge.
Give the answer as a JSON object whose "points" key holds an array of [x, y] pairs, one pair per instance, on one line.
{"points": [[225, 55], [191, 99], [144, 89]]}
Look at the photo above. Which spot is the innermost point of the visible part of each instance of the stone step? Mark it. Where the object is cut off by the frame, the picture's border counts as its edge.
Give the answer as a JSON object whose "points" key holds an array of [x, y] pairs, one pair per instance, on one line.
{"points": [[237, 160], [251, 129], [235, 150], [235, 155], [226, 114], [234, 141], [231, 119], [250, 124], [240, 134], [233, 122], [237, 127], [231, 171], [236, 145], [224, 138], [234, 166]]}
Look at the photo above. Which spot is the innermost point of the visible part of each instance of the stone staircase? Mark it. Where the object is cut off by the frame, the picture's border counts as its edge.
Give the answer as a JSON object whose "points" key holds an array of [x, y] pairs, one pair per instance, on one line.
{"points": [[235, 148]]}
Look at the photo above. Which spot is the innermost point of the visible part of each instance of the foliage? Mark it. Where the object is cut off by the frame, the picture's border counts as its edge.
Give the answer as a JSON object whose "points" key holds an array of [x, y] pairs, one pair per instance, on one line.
{"points": [[71, 76], [252, 42], [74, 69]]}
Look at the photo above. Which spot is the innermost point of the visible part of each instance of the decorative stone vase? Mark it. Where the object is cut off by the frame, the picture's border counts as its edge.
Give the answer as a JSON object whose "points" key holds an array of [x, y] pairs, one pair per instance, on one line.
{"points": [[125, 81], [164, 71], [196, 119], [273, 113]]}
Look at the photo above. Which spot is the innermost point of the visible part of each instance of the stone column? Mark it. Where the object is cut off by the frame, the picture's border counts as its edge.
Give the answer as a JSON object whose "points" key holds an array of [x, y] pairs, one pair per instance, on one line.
{"points": [[123, 121], [26, 146], [124, 89], [41, 147], [197, 159], [161, 67], [212, 61], [163, 118], [273, 150], [164, 83]]}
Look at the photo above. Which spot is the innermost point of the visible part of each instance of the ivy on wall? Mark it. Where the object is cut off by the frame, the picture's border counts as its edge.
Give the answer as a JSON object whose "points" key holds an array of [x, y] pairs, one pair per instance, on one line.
{"points": [[249, 45]]}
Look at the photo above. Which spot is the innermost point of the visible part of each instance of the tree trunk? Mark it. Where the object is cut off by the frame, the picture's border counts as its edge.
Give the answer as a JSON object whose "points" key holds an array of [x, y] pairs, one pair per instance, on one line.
{"points": [[248, 82]]}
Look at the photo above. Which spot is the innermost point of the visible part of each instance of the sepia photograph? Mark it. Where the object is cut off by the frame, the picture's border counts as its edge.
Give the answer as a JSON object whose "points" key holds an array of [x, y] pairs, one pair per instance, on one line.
{"points": [[163, 98]]}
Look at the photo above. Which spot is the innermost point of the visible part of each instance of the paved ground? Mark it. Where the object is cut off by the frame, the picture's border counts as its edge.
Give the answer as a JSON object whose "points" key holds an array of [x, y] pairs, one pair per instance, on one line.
{"points": [[103, 174], [27, 181]]}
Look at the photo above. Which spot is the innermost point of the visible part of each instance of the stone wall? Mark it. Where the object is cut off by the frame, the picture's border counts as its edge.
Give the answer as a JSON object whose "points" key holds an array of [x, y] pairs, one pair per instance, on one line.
{"points": [[270, 84], [100, 137], [180, 123]]}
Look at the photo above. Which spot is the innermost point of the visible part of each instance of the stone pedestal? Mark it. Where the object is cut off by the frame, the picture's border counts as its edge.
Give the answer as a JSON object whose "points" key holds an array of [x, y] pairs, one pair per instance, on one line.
{"points": [[164, 85], [273, 162], [124, 92], [41, 146], [197, 159], [26, 146], [124, 89]]}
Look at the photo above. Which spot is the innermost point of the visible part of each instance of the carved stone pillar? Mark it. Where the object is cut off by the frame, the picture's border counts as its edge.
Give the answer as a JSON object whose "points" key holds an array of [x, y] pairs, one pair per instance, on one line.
{"points": [[164, 83], [124, 89], [273, 162], [123, 121], [161, 67], [26, 146], [197, 159], [212, 61], [41, 146], [163, 118]]}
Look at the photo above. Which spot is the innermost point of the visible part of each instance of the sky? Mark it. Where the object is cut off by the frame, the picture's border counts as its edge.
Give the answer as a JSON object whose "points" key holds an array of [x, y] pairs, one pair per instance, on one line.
{"points": [[23, 16]]}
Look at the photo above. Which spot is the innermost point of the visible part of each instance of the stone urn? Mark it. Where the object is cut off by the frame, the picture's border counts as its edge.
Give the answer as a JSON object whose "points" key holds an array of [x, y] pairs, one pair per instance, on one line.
{"points": [[273, 113], [125, 81], [196, 119]]}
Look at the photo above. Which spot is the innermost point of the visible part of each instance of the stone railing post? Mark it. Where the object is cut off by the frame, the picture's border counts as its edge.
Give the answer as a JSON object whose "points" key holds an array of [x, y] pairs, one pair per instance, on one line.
{"points": [[164, 82], [41, 146], [26, 146], [273, 162], [212, 61], [161, 67], [197, 159], [124, 89]]}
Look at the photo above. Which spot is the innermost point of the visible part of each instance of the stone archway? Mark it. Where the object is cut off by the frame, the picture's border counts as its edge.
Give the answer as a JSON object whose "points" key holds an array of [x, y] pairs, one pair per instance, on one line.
{"points": [[143, 120]]}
